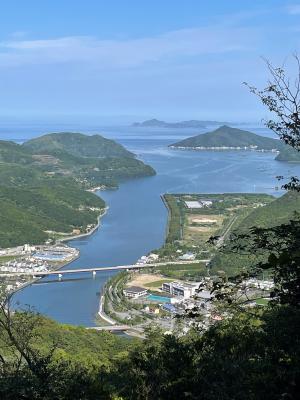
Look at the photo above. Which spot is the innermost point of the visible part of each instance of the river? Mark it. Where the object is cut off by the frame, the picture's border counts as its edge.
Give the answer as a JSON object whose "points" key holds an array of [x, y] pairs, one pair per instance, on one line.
{"points": [[136, 220]]}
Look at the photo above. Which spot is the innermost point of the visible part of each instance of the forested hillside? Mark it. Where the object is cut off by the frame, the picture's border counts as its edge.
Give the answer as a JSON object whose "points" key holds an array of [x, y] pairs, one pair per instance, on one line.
{"points": [[279, 211], [77, 144], [44, 188]]}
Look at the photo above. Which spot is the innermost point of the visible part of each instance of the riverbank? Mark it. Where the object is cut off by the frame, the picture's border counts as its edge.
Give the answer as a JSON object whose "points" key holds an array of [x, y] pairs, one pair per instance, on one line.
{"points": [[80, 235]]}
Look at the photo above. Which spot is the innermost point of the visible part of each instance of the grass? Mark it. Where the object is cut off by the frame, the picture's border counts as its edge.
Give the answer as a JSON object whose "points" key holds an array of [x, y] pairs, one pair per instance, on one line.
{"points": [[157, 284], [183, 271], [262, 302]]}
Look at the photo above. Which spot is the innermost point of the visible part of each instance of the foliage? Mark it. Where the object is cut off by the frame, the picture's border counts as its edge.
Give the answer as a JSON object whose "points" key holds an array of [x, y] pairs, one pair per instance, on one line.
{"points": [[239, 358], [281, 96], [77, 144], [43, 182], [280, 211]]}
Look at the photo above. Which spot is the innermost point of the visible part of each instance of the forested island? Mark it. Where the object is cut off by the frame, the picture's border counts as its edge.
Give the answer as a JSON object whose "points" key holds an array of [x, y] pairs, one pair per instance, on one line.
{"points": [[155, 123], [228, 138], [44, 184]]}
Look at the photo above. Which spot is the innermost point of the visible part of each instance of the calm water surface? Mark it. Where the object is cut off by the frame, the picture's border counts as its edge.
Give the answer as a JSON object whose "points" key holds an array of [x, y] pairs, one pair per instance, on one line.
{"points": [[136, 220]]}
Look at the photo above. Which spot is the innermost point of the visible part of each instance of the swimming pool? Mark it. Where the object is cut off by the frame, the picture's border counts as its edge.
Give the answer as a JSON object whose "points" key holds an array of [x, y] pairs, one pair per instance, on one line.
{"points": [[159, 299]]}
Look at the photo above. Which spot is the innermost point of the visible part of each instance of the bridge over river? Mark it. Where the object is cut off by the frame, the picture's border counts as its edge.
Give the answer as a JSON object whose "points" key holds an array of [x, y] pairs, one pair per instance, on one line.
{"points": [[61, 272]]}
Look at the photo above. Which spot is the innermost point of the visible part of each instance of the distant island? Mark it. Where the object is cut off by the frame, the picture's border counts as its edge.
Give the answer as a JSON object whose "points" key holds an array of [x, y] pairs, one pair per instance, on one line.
{"points": [[45, 184], [155, 123], [228, 138]]}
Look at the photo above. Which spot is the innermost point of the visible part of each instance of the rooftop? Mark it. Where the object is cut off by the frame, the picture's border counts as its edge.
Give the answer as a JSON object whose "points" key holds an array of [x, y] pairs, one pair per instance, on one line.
{"points": [[134, 289]]}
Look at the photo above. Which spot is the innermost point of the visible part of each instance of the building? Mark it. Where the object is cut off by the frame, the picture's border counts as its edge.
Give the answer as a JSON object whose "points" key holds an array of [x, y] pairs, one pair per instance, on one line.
{"points": [[193, 204], [187, 257], [177, 289], [134, 292], [169, 307], [198, 204]]}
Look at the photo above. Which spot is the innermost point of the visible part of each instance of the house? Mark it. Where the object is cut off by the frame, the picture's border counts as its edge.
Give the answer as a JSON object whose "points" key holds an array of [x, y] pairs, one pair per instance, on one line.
{"points": [[187, 257], [169, 307], [153, 257], [134, 292]]}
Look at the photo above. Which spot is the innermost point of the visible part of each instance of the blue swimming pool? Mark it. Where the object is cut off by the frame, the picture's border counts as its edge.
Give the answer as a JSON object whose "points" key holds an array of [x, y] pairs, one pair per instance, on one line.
{"points": [[159, 299]]}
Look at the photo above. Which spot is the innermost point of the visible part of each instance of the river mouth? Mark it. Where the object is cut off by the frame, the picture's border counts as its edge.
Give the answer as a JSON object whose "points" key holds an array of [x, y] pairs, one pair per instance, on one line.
{"points": [[136, 219]]}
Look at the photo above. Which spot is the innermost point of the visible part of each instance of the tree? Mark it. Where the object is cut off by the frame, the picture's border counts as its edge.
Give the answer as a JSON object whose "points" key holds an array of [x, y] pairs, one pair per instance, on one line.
{"points": [[281, 96], [26, 372]]}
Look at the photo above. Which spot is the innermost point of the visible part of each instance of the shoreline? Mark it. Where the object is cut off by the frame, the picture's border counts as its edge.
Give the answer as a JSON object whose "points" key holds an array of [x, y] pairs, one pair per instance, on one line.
{"points": [[162, 196], [80, 235], [223, 148], [64, 264]]}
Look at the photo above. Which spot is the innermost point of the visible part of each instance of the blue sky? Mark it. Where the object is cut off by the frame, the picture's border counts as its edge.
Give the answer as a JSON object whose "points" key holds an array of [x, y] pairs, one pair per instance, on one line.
{"points": [[173, 60]]}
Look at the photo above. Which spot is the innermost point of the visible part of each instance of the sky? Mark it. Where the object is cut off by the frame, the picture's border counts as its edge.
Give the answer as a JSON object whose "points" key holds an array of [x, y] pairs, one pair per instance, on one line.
{"points": [[122, 60]]}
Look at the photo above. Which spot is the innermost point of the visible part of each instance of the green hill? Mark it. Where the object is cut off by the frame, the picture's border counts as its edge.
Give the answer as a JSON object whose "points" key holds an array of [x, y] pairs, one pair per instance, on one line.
{"points": [[277, 212], [44, 190], [288, 154], [77, 144], [228, 137]]}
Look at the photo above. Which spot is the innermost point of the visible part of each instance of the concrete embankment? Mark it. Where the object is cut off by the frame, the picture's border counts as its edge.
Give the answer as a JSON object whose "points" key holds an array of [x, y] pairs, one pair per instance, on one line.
{"points": [[74, 237]]}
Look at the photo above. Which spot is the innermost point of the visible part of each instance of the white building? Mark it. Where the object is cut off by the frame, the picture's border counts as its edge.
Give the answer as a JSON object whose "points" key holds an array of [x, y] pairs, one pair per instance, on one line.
{"points": [[198, 204], [193, 204], [177, 289], [134, 292], [187, 257]]}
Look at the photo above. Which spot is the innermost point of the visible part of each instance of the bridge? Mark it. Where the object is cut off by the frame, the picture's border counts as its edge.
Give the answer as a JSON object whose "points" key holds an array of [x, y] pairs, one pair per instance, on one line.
{"points": [[111, 328], [60, 273]]}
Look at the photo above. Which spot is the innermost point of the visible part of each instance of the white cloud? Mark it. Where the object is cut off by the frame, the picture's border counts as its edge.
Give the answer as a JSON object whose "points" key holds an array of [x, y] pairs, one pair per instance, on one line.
{"points": [[294, 9], [126, 53]]}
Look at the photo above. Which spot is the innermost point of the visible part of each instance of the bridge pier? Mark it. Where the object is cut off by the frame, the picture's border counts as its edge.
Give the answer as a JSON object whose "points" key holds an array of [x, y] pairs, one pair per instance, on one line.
{"points": [[59, 277], [94, 274]]}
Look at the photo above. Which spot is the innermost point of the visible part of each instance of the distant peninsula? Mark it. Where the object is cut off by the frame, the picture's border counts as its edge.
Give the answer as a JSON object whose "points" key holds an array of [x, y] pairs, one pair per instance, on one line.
{"points": [[155, 123], [228, 138]]}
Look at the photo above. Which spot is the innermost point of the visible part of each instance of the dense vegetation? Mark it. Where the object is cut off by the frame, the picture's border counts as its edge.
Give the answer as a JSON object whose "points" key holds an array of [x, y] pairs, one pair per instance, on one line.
{"points": [[225, 136], [288, 154], [77, 144], [246, 357], [43, 184], [279, 211], [27, 213]]}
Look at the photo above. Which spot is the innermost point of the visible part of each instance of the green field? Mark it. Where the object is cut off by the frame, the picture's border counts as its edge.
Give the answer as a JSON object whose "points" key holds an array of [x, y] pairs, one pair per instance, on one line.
{"points": [[192, 272], [193, 227], [190, 229]]}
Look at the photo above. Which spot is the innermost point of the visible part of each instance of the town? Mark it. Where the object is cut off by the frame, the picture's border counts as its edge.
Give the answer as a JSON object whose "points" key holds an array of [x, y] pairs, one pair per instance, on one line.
{"points": [[24, 259]]}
